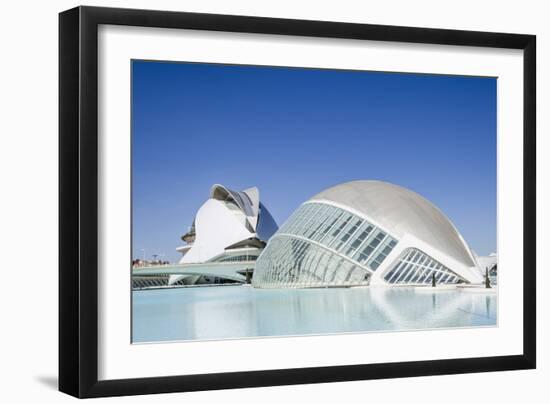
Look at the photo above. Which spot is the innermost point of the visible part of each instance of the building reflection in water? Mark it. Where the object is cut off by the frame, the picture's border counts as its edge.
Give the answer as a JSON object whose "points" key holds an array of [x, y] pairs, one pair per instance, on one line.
{"points": [[241, 312]]}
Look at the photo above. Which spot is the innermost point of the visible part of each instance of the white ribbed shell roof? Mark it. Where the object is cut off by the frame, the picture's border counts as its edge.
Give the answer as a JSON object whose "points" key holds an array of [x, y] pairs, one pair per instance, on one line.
{"points": [[401, 211]]}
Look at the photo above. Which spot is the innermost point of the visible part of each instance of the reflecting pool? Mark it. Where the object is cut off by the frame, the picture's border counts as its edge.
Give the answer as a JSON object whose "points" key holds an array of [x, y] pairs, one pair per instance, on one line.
{"points": [[222, 312]]}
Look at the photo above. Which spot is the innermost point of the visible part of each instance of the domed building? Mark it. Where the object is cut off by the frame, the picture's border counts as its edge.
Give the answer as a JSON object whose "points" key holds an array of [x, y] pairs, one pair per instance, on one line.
{"points": [[366, 233]]}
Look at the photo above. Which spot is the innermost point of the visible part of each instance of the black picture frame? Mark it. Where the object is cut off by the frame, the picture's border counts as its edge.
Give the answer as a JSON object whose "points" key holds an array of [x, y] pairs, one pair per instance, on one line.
{"points": [[78, 201]]}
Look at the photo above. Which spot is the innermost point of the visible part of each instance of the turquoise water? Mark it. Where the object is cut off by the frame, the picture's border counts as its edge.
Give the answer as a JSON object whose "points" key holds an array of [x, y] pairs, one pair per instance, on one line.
{"points": [[222, 312]]}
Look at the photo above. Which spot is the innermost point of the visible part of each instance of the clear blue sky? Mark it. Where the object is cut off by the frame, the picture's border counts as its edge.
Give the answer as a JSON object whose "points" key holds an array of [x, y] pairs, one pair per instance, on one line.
{"points": [[294, 132]]}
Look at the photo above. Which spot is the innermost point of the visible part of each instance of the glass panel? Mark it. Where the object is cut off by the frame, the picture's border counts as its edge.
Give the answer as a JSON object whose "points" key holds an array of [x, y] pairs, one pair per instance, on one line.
{"points": [[426, 276], [410, 274], [423, 266], [336, 229], [382, 252], [393, 271], [418, 274], [403, 273], [364, 233], [350, 229], [295, 261]]}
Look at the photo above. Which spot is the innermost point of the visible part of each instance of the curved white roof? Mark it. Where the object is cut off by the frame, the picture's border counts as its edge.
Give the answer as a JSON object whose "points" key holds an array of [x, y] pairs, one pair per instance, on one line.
{"points": [[401, 211], [248, 200]]}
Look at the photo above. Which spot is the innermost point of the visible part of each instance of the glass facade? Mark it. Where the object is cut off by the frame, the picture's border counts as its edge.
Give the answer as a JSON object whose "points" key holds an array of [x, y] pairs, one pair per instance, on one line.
{"points": [[322, 245], [415, 267], [236, 258]]}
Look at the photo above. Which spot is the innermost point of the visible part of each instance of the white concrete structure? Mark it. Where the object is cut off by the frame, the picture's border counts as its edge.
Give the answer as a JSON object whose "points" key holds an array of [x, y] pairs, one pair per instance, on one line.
{"points": [[366, 232], [229, 226], [228, 234]]}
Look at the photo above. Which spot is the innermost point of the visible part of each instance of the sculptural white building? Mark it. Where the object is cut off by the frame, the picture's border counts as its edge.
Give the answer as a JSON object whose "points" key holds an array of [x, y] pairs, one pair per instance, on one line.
{"points": [[226, 237], [230, 226], [366, 233]]}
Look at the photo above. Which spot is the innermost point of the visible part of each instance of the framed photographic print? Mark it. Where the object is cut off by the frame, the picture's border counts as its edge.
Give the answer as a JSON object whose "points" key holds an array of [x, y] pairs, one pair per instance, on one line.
{"points": [[250, 201]]}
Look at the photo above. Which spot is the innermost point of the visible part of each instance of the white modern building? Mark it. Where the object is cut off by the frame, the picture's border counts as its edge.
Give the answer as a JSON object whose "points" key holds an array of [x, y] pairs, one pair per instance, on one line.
{"points": [[230, 226], [366, 233]]}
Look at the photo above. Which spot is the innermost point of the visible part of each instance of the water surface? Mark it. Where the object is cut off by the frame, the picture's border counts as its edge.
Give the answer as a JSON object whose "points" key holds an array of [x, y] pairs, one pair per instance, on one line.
{"points": [[204, 313]]}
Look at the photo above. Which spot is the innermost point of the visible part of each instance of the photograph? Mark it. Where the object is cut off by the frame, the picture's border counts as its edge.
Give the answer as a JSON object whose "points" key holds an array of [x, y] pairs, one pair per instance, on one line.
{"points": [[269, 202], [273, 201]]}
